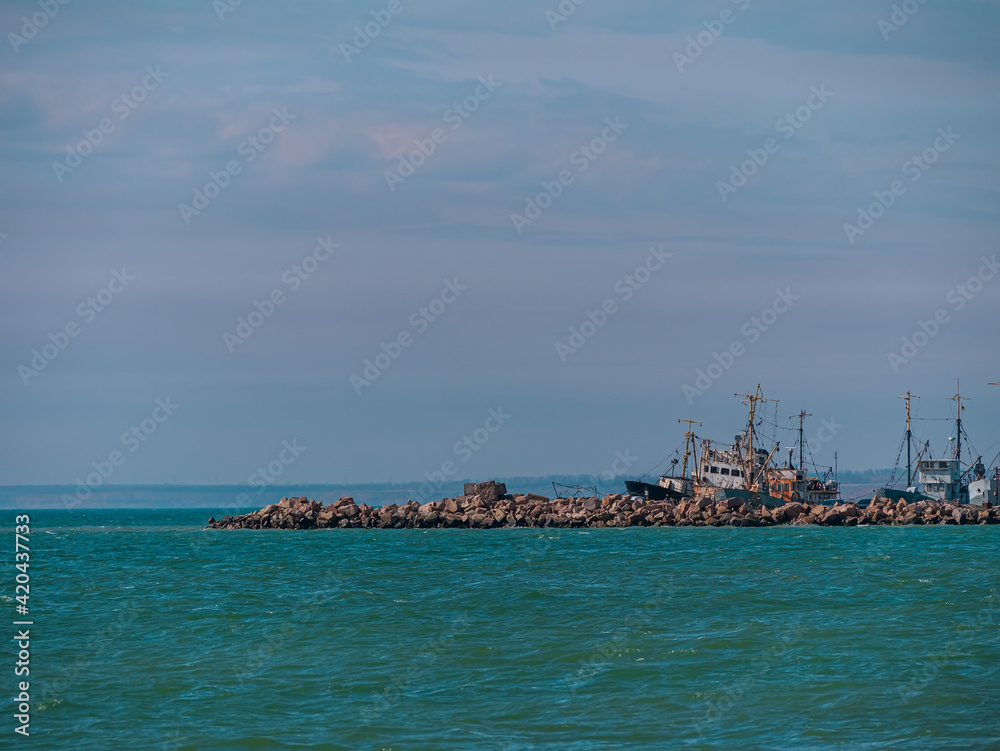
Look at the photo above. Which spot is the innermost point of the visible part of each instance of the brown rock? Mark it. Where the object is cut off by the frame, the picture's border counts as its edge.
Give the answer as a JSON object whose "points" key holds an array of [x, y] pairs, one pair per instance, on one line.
{"points": [[833, 518]]}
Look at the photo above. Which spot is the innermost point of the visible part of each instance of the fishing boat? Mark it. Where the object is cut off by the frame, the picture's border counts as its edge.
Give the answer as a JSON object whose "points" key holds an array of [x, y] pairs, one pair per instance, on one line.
{"points": [[670, 487], [944, 479], [983, 490], [742, 469]]}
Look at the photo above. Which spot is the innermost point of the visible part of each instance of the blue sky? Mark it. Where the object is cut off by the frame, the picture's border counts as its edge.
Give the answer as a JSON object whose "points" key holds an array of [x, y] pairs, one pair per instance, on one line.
{"points": [[728, 256]]}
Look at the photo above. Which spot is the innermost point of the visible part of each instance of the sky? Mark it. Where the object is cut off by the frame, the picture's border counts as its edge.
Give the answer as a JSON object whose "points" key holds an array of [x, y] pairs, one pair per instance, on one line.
{"points": [[407, 239]]}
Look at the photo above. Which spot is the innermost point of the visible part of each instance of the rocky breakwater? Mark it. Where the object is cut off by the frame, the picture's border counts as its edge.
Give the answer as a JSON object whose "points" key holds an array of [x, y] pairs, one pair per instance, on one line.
{"points": [[488, 506]]}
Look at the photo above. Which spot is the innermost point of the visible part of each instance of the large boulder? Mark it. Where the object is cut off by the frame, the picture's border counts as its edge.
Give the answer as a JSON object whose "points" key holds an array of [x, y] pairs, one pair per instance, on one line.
{"points": [[327, 517], [833, 518], [734, 504]]}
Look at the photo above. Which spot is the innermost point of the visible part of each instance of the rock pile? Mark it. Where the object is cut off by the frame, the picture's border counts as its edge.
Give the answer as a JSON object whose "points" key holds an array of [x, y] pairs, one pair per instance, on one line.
{"points": [[488, 506]]}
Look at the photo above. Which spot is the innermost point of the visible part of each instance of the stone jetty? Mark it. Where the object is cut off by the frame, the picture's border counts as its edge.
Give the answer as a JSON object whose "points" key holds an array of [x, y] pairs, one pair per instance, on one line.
{"points": [[489, 506]]}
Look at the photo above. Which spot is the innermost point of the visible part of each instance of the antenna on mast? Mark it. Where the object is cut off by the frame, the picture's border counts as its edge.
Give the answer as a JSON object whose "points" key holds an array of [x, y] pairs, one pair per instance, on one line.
{"points": [[688, 443], [802, 461], [802, 418], [958, 399], [752, 400], [909, 438]]}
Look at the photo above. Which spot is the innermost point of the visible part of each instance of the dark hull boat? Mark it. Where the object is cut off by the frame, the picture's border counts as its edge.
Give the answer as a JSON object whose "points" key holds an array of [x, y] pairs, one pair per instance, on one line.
{"points": [[752, 498], [742, 470], [652, 492]]}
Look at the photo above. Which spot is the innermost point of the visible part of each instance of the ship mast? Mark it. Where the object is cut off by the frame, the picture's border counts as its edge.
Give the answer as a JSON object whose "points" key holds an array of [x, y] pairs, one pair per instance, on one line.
{"points": [[909, 438], [688, 444], [752, 400], [802, 463], [996, 472], [958, 399]]}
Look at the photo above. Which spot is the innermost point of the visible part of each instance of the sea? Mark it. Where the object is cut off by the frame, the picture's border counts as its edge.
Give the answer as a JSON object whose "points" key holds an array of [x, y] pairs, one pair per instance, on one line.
{"points": [[149, 631]]}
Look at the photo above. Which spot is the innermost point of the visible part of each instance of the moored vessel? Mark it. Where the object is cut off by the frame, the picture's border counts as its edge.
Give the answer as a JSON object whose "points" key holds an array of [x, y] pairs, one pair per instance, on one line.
{"points": [[944, 479], [742, 470]]}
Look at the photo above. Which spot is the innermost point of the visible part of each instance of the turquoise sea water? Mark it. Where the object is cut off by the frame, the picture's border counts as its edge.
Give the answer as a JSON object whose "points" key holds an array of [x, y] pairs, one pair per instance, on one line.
{"points": [[154, 633]]}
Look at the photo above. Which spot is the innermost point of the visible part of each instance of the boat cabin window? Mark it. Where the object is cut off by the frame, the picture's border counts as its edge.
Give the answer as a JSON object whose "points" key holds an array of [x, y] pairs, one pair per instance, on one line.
{"points": [[736, 473], [706, 468], [725, 471], [715, 470]]}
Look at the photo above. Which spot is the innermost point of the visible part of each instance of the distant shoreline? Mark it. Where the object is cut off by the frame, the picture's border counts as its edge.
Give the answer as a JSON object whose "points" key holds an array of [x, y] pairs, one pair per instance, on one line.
{"points": [[244, 498]]}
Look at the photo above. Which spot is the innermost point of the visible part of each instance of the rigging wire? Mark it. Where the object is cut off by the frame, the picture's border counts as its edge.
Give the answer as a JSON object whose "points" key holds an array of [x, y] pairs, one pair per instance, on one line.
{"points": [[675, 452], [895, 466], [969, 443]]}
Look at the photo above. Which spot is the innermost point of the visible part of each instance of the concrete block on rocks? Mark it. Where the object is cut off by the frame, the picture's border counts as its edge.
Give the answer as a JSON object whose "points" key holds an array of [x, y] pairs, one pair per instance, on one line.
{"points": [[491, 491]]}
